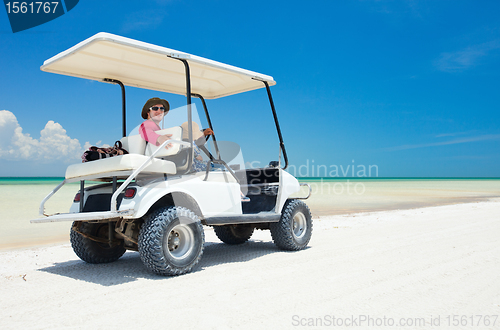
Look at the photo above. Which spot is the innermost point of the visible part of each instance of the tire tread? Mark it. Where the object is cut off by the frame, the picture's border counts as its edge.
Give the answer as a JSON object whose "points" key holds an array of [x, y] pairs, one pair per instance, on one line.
{"points": [[91, 251], [281, 231], [151, 240]]}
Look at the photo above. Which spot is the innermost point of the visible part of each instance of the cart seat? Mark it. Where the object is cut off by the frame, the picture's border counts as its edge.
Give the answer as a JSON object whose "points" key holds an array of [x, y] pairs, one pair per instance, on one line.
{"points": [[139, 152], [125, 163]]}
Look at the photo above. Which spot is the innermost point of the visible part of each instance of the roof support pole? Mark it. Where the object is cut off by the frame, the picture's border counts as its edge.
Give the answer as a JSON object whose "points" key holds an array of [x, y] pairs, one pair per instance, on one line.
{"points": [[209, 123], [190, 114], [124, 115], [282, 144]]}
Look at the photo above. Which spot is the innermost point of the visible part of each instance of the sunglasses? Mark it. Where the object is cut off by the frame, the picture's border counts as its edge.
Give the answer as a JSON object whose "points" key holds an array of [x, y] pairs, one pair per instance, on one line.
{"points": [[157, 108]]}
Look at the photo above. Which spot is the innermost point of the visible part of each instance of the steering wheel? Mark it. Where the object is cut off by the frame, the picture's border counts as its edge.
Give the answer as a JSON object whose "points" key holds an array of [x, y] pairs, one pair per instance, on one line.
{"points": [[208, 136], [205, 150]]}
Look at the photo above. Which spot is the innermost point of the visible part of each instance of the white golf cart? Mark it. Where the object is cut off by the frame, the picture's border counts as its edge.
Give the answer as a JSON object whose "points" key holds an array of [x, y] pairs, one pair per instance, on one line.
{"points": [[151, 200]]}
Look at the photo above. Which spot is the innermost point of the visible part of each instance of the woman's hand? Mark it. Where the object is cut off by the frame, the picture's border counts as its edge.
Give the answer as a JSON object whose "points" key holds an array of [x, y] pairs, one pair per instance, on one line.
{"points": [[208, 131], [163, 138]]}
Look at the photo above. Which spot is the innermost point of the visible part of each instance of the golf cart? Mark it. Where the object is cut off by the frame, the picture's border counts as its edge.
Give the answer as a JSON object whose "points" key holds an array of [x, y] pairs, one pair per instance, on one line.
{"points": [[150, 200]]}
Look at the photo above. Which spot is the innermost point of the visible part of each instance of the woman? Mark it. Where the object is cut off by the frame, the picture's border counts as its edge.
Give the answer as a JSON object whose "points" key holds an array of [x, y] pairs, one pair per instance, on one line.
{"points": [[153, 111]]}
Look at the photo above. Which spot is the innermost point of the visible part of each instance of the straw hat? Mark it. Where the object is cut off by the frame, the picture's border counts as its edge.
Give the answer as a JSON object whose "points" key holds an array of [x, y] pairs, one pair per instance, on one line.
{"points": [[197, 133]]}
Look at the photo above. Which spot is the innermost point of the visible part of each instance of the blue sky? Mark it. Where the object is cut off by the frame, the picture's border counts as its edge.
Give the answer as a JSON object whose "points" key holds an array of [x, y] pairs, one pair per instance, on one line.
{"points": [[408, 86]]}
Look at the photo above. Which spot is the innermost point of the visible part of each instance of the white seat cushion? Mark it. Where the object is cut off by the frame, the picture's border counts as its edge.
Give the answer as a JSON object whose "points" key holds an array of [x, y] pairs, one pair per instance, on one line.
{"points": [[128, 162], [134, 144], [174, 149]]}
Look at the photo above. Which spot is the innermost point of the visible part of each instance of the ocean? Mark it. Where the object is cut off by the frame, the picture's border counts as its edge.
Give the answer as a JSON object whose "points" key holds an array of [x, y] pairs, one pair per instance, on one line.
{"points": [[20, 199]]}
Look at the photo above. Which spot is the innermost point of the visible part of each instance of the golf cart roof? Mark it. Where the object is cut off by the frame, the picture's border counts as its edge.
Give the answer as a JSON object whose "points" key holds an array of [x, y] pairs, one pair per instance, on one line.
{"points": [[145, 65]]}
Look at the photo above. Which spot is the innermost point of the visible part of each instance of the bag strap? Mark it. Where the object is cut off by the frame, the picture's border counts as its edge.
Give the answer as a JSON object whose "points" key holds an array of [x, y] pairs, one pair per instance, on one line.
{"points": [[119, 146]]}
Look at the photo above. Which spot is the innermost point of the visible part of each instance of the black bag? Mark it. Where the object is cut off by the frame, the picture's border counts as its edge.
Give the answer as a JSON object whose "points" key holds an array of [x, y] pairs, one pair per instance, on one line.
{"points": [[95, 153]]}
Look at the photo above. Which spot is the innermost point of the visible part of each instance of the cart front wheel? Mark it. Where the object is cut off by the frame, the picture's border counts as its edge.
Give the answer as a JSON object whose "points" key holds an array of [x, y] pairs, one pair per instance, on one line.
{"points": [[171, 241], [293, 231]]}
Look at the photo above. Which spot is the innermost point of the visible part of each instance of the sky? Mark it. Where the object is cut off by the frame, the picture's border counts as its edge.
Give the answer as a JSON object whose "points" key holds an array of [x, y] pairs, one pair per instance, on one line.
{"points": [[404, 88]]}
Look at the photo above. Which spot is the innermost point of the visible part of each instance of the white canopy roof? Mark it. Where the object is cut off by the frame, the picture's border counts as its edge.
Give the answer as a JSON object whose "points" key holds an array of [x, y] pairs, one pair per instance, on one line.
{"points": [[144, 65]]}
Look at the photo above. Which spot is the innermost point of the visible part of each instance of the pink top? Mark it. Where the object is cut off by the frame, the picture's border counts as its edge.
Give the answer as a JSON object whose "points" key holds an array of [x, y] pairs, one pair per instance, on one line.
{"points": [[147, 131]]}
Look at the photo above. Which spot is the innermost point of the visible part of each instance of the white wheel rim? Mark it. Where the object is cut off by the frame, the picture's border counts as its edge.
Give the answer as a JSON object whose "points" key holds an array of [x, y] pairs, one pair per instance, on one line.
{"points": [[179, 242], [299, 225]]}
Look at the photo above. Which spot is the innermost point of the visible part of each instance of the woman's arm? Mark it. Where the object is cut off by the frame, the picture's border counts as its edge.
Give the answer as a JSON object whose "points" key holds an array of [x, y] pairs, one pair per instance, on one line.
{"points": [[147, 131], [163, 138], [202, 139]]}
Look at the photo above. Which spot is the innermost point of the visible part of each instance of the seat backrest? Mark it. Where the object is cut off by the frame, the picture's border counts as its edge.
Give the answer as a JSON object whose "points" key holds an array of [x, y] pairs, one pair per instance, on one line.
{"points": [[134, 144], [173, 150]]}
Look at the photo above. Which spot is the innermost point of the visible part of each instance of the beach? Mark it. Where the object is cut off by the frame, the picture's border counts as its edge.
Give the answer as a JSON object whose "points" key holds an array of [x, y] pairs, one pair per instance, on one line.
{"points": [[19, 203], [423, 268], [411, 254], [345, 196], [20, 200]]}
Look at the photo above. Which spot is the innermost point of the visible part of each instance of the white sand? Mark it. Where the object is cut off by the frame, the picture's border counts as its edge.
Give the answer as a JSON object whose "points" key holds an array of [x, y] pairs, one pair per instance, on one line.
{"points": [[421, 263]]}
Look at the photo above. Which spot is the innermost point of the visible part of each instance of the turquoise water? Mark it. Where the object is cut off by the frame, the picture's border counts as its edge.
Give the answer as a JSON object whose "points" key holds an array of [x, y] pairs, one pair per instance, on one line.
{"points": [[57, 180], [30, 180], [35, 181]]}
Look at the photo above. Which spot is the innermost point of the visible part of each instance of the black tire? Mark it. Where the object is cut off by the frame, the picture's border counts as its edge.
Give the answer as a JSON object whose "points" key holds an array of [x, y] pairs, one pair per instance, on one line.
{"points": [[91, 251], [234, 234], [171, 241], [294, 229]]}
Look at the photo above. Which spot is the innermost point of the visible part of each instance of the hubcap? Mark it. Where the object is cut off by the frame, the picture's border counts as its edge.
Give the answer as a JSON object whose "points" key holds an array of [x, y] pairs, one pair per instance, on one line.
{"points": [[299, 225], [180, 242]]}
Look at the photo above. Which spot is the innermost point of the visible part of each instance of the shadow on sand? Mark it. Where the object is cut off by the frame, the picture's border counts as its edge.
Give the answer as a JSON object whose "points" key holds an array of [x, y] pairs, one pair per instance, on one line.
{"points": [[129, 268]]}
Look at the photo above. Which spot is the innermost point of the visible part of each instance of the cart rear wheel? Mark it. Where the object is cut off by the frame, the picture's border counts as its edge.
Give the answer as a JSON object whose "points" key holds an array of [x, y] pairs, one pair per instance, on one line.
{"points": [[171, 241], [234, 234], [92, 251], [294, 229]]}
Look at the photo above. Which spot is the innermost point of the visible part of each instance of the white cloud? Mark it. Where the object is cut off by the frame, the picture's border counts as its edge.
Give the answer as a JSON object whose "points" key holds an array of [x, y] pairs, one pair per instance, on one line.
{"points": [[444, 143], [465, 58], [142, 20], [454, 134], [164, 2], [54, 144]]}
